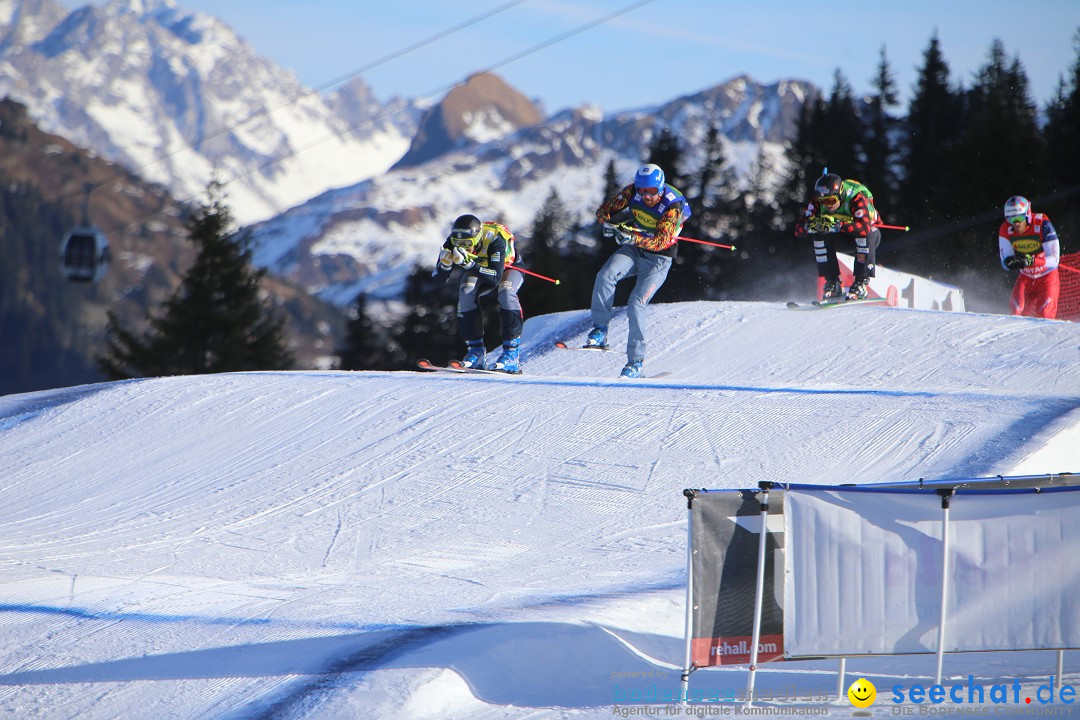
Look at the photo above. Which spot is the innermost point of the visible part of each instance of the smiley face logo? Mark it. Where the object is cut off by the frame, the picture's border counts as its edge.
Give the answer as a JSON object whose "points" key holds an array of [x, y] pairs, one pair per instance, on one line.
{"points": [[862, 693]]}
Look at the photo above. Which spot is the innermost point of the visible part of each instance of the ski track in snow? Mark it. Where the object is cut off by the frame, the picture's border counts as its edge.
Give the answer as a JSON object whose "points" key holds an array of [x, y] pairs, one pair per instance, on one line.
{"points": [[335, 544]]}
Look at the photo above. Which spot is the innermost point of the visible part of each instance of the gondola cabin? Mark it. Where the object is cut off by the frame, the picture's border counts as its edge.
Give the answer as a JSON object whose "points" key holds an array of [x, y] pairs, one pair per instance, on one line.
{"points": [[84, 255]]}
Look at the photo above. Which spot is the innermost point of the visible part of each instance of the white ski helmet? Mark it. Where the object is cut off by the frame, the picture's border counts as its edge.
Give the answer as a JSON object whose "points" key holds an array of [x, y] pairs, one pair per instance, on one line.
{"points": [[1017, 206]]}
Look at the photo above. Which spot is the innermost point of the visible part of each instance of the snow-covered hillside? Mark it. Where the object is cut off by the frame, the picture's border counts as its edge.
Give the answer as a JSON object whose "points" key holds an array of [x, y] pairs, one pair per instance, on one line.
{"points": [[180, 98], [411, 545]]}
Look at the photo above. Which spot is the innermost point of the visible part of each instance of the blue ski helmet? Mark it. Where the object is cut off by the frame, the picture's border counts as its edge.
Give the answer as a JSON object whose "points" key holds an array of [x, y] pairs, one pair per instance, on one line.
{"points": [[649, 176]]}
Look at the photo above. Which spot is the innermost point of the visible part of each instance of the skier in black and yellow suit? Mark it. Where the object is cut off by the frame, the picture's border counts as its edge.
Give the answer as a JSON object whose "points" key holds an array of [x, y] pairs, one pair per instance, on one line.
{"points": [[483, 250]]}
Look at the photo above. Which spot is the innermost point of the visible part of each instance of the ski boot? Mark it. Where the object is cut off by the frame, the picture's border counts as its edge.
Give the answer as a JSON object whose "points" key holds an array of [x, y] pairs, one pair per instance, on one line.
{"points": [[632, 369], [833, 290], [474, 357], [858, 290], [597, 338], [508, 361]]}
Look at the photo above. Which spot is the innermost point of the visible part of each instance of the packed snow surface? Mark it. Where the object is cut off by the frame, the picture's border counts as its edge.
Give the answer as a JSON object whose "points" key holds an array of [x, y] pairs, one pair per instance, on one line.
{"points": [[432, 545]]}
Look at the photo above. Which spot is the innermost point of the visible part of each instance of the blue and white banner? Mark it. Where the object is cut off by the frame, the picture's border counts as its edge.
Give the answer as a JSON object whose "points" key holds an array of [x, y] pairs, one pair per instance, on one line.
{"points": [[863, 571]]}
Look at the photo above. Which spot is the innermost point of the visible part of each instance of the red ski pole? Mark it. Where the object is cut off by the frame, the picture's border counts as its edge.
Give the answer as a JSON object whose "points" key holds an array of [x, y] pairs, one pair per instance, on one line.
{"points": [[634, 231], [530, 272], [905, 228], [705, 242]]}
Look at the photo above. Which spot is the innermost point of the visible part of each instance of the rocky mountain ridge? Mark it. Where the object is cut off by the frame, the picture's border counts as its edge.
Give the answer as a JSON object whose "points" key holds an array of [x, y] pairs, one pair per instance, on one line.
{"points": [[365, 238]]}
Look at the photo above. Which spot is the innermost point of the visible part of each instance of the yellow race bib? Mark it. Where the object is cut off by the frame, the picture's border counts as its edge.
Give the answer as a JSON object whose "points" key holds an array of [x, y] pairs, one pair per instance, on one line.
{"points": [[1026, 246], [644, 220]]}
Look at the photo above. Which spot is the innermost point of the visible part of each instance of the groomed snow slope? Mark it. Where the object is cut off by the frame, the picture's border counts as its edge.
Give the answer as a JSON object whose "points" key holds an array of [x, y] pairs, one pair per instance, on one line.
{"points": [[416, 545]]}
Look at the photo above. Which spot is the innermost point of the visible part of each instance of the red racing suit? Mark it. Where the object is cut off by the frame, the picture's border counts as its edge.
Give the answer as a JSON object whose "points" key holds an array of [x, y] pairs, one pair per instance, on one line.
{"points": [[1035, 293]]}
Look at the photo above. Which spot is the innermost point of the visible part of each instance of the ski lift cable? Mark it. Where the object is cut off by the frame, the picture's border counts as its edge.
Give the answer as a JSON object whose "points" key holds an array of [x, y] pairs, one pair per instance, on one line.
{"points": [[432, 93], [318, 90], [446, 88]]}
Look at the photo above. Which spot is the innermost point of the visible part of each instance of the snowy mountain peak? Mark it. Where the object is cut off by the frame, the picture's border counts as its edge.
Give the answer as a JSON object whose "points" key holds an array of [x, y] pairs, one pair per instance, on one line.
{"points": [[27, 21], [139, 7], [482, 109], [174, 94]]}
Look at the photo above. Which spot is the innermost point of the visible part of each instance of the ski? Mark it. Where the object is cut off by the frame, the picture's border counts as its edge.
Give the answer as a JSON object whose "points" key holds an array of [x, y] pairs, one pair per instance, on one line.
{"points": [[563, 346], [425, 364], [825, 305], [455, 367]]}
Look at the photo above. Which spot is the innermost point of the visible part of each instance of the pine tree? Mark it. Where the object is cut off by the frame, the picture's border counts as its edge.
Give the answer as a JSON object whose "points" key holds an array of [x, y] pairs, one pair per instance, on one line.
{"points": [[367, 345], [552, 252], [829, 135], [772, 264], [612, 182], [1062, 139], [1062, 131], [596, 248], [1000, 153], [804, 154], [842, 130], [666, 152], [215, 321], [702, 272], [880, 154], [429, 328], [710, 190], [934, 120]]}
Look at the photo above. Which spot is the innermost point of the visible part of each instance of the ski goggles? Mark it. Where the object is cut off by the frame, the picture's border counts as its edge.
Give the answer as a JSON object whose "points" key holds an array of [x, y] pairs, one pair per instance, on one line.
{"points": [[458, 239], [1016, 219], [649, 192], [829, 201]]}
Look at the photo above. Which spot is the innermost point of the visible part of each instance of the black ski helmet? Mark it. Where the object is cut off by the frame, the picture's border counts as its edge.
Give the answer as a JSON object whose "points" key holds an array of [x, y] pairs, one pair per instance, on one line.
{"points": [[829, 184], [466, 230]]}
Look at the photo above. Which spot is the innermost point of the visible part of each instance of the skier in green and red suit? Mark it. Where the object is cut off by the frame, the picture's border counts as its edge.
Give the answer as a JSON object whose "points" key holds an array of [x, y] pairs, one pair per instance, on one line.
{"points": [[841, 207]]}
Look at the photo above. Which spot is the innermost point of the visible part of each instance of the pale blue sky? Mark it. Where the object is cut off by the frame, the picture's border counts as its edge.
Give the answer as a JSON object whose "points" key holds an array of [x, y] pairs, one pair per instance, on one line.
{"points": [[651, 54]]}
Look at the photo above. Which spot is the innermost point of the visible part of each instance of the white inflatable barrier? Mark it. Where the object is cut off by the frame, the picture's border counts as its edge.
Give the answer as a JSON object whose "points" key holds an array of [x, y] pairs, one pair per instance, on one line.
{"points": [[906, 290]]}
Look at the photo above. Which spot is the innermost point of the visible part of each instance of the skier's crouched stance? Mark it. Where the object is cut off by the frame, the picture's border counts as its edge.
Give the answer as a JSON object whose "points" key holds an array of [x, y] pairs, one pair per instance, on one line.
{"points": [[483, 250]]}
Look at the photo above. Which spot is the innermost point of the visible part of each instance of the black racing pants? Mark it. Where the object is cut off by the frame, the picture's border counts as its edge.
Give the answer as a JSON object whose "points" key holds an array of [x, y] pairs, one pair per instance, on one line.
{"points": [[828, 266], [471, 318]]}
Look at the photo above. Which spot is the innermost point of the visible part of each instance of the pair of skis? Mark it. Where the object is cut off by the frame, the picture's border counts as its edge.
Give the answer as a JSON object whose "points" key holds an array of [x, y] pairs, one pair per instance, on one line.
{"points": [[455, 366], [826, 304]]}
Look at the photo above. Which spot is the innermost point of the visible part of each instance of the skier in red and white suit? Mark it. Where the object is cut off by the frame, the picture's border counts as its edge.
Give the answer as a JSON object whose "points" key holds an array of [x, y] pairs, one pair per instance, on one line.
{"points": [[1027, 242]]}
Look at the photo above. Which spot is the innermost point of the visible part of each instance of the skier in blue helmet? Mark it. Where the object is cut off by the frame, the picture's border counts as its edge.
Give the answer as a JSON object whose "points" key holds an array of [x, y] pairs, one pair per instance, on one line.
{"points": [[648, 241]]}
